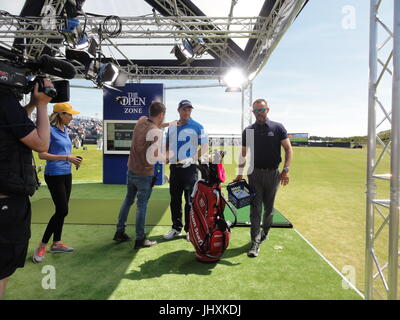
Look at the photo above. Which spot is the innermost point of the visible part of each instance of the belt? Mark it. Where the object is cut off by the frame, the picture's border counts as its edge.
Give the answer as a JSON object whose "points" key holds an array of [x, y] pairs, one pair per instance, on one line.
{"points": [[267, 169], [180, 165]]}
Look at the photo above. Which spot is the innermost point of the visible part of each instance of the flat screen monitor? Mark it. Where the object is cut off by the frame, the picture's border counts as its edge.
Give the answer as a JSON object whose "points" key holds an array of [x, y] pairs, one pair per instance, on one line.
{"points": [[118, 136]]}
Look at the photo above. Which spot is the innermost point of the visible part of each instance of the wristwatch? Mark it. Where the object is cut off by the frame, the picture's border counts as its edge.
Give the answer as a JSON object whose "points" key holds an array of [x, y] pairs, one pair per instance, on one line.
{"points": [[286, 169]]}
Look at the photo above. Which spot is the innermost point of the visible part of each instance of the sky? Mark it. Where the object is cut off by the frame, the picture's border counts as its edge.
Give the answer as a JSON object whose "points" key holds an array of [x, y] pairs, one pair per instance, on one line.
{"points": [[316, 80]]}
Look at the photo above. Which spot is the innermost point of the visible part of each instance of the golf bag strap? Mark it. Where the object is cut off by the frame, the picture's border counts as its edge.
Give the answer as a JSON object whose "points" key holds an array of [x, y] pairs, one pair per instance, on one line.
{"points": [[232, 208]]}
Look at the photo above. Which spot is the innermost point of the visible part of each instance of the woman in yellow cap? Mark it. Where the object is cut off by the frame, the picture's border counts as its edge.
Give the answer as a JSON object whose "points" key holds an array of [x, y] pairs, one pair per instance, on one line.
{"points": [[58, 177]]}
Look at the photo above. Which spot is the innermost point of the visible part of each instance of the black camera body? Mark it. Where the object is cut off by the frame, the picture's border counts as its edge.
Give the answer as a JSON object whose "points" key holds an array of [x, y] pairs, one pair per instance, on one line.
{"points": [[15, 73], [12, 76], [16, 80], [58, 93]]}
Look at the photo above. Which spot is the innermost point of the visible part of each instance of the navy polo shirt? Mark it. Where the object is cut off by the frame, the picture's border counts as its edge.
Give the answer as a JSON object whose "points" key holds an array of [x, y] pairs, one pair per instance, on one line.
{"points": [[267, 143], [60, 144]]}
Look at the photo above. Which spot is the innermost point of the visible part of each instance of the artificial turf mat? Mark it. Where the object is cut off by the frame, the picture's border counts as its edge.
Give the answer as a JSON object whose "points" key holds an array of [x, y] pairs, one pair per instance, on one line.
{"points": [[99, 211], [85, 208], [243, 218], [287, 268]]}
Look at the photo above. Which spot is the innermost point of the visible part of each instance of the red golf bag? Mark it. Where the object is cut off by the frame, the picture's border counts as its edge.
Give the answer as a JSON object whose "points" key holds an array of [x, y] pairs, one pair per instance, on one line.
{"points": [[208, 230]]}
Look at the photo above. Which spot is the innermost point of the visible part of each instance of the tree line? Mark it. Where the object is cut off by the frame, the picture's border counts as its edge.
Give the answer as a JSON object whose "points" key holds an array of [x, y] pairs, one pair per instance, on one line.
{"points": [[384, 135]]}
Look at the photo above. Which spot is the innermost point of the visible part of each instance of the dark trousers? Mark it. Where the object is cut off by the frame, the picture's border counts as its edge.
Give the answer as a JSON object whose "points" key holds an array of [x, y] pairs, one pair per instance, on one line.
{"points": [[181, 181], [265, 184], [60, 190], [15, 231]]}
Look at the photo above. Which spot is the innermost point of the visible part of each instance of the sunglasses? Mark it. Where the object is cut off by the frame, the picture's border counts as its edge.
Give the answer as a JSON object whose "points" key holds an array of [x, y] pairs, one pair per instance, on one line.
{"points": [[259, 110]]}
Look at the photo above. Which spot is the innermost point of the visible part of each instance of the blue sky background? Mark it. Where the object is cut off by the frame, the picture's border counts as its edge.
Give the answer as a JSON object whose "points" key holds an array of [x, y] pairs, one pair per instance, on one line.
{"points": [[316, 80]]}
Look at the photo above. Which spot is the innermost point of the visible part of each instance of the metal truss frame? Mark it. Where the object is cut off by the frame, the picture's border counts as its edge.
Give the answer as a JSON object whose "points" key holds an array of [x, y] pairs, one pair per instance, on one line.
{"points": [[176, 20], [382, 215], [247, 101]]}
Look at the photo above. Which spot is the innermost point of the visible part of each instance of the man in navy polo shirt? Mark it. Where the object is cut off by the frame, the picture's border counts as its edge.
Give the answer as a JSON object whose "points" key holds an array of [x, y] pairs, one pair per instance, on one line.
{"points": [[264, 138], [183, 142]]}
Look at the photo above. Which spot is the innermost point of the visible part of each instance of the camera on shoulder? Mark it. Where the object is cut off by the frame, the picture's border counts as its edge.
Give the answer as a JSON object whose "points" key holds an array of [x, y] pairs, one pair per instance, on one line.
{"points": [[19, 75]]}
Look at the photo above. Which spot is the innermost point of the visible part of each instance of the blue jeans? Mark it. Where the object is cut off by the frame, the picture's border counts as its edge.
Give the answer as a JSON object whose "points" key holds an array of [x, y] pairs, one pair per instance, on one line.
{"points": [[140, 186]]}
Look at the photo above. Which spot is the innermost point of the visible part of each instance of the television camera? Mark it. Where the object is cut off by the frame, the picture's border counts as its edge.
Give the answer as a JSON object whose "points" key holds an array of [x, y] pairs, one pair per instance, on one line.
{"points": [[18, 75]]}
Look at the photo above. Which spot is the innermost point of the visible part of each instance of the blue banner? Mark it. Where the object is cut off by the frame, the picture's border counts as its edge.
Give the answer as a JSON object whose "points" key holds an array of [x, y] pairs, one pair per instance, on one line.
{"points": [[122, 107], [131, 101]]}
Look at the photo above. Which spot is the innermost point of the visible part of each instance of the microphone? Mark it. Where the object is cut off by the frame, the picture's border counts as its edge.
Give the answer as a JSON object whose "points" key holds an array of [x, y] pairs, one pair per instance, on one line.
{"points": [[55, 67]]}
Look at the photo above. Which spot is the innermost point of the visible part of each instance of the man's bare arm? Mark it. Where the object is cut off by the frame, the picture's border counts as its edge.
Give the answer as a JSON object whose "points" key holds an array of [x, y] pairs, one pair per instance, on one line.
{"points": [[38, 139], [242, 164]]}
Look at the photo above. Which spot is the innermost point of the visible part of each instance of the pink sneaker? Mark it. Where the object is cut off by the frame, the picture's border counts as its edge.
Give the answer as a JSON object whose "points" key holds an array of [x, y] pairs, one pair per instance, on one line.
{"points": [[61, 248], [38, 255]]}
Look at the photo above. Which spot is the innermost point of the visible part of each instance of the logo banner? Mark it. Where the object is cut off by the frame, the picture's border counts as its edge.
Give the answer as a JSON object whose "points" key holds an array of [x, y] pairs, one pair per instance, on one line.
{"points": [[131, 101]]}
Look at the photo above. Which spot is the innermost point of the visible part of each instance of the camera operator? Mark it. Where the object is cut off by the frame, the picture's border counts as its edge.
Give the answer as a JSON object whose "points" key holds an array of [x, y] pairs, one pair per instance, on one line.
{"points": [[18, 137]]}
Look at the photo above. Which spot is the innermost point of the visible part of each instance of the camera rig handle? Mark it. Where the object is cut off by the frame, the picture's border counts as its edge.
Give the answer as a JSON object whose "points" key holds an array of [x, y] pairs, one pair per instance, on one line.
{"points": [[48, 91]]}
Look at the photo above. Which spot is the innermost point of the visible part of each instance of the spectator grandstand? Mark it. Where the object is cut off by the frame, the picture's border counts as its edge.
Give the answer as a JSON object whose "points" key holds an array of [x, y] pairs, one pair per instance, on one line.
{"points": [[85, 130]]}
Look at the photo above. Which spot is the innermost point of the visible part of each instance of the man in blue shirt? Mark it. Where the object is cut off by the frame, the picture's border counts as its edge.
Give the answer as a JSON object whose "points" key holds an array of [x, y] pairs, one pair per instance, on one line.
{"points": [[183, 142]]}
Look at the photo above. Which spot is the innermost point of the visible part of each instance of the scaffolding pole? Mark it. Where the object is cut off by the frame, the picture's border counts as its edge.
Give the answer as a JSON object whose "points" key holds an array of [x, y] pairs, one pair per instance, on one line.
{"points": [[395, 161], [381, 277], [371, 153]]}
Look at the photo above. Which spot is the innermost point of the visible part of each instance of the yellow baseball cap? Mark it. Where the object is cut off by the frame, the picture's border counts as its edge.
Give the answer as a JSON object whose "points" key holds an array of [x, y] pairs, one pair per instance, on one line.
{"points": [[64, 107]]}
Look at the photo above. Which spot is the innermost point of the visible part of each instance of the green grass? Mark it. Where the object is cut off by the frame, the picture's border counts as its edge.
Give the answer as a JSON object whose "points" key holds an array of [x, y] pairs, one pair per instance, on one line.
{"points": [[102, 269], [325, 201], [91, 168]]}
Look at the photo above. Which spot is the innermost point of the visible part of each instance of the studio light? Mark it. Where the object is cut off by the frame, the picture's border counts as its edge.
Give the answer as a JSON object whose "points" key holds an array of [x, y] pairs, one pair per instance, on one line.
{"points": [[184, 52], [111, 75], [234, 80], [84, 57], [121, 79], [71, 25], [189, 50], [198, 46], [233, 89], [81, 56]]}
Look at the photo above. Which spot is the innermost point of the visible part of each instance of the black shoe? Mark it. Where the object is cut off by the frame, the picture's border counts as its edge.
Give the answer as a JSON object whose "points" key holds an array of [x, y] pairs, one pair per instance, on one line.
{"points": [[144, 243], [121, 236], [254, 250]]}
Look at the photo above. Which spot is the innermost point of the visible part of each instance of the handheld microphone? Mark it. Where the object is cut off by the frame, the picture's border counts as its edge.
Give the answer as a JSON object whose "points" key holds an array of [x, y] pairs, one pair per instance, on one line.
{"points": [[54, 67]]}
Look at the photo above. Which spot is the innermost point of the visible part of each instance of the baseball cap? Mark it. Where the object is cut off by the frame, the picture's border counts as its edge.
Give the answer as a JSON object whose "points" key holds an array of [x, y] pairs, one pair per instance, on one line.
{"points": [[184, 104], [64, 107]]}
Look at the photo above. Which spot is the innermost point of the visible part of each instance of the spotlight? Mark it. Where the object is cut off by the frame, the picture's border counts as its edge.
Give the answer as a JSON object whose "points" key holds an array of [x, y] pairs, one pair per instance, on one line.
{"points": [[234, 80], [184, 52], [71, 32], [80, 56], [188, 50], [198, 46], [71, 25], [85, 57], [92, 47], [121, 79], [233, 89], [110, 74]]}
